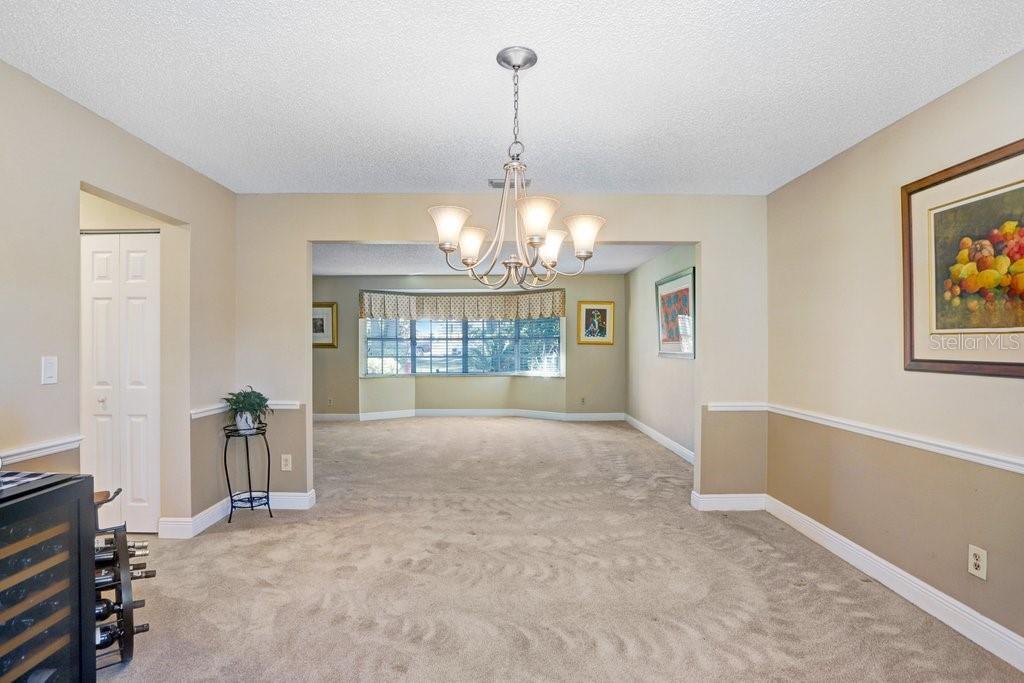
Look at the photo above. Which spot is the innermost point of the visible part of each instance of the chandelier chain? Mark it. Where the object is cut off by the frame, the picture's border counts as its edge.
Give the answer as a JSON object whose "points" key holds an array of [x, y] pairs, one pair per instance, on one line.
{"points": [[515, 105], [516, 149]]}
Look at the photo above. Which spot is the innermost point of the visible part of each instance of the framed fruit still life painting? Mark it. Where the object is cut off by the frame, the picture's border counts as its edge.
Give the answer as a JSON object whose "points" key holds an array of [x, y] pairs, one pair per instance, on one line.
{"points": [[675, 300], [963, 267]]}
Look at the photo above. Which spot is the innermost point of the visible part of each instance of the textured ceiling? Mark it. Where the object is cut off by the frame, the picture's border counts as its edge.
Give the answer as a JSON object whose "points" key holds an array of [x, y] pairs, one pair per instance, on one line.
{"points": [[425, 259], [704, 96]]}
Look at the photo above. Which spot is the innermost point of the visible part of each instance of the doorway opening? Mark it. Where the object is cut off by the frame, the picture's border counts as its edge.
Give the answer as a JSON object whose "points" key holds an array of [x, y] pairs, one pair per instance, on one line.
{"points": [[125, 374]]}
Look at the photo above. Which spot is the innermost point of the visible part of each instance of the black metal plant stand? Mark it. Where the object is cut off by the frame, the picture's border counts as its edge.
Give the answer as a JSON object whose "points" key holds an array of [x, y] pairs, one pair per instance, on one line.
{"points": [[247, 499]]}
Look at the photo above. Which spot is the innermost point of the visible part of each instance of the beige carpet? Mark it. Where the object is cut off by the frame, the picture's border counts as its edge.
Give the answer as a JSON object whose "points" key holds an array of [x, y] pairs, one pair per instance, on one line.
{"points": [[450, 549]]}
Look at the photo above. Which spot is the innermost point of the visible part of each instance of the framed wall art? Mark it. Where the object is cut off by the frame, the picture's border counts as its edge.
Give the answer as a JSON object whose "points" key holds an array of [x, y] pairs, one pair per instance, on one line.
{"points": [[325, 325], [677, 322], [963, 267], [595, 322]]}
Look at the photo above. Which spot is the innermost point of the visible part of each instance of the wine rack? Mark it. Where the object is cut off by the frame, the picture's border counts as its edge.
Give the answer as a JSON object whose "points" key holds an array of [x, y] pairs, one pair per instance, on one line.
{"points": [[115, 606], [46, 531]]}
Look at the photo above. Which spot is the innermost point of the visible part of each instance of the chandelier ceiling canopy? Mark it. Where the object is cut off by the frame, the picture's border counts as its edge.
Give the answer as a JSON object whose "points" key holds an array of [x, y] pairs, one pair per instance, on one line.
{"points": [[534, 263]]}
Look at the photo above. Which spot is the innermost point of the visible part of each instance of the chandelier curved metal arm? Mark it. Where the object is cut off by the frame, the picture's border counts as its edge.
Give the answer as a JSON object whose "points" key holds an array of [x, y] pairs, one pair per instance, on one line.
{"points": [[536, 246]]}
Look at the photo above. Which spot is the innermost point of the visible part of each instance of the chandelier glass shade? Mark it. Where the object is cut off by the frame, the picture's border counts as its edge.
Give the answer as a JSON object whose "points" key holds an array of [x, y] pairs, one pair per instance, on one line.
{"points": [[524, 220]]}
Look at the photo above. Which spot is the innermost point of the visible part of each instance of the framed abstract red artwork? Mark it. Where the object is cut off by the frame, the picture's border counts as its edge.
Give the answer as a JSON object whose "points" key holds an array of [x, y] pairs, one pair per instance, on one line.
{"points": [[676, 301]]}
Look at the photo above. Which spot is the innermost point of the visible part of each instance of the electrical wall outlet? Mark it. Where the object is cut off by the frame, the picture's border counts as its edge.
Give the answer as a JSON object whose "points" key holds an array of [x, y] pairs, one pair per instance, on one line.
{"points": [[330, 401], [583, 400], [286, 462], [977, 562]]}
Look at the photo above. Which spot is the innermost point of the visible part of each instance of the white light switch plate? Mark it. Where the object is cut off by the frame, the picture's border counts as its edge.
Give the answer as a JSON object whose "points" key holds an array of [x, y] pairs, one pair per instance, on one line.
{"points": [[49, 370]]}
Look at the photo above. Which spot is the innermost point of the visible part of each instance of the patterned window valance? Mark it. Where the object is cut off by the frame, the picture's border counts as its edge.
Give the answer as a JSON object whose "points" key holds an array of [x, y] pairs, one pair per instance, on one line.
{"points": [[517, 306]]}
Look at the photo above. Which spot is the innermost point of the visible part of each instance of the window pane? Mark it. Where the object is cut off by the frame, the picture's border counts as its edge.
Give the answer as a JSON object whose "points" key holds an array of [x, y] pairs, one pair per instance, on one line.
{"points": [[493, 346]]}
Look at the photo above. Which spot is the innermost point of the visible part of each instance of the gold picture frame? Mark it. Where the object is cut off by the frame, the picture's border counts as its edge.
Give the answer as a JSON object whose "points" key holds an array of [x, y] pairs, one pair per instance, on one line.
{"points": [[324, 318], [595, 322]]}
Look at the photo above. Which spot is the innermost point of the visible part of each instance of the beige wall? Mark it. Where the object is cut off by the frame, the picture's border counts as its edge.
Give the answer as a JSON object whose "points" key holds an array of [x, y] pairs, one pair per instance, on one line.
{"points": [[208, 485], [740, 438], [595, 375], [836, 258], [275, 231], [835, 345], [387, 394], [915, 508], [661, 389], [51, 146], [65, 461]]}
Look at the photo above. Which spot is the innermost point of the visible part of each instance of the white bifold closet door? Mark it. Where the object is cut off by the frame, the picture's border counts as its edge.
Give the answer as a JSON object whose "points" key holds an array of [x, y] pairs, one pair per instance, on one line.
{"points": [[120, 409]]}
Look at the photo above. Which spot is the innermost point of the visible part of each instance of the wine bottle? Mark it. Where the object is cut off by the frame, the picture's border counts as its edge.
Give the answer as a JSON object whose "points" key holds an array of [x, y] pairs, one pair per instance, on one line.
{"points": [[106, 608], [108, 634], [108, 542], [108, 577], [108, 555]]}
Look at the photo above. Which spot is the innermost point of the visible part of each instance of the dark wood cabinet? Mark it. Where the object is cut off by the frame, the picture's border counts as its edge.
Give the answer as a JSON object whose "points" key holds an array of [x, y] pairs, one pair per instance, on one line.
{"points": [[47, 596]]}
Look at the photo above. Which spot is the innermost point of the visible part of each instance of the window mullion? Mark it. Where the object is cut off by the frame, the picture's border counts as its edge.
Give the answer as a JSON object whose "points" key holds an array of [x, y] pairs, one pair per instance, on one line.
{"points": [[465, 347], [412, 347], [516, 342]]}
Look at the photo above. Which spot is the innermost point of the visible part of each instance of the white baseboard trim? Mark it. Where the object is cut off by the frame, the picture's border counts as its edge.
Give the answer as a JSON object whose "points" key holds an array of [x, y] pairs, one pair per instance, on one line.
{"points": [[287, 500], [386, 415], [39, 449], [990, 635], [516, 412], [469, 412], [335, 417], [593, 417], [1004, 461], [719, 502], [674, 446], [190, 527]]}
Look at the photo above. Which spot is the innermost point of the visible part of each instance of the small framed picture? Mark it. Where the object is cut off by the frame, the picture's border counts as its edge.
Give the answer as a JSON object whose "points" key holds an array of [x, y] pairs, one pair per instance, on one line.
{"points": [[325, 325], [677, 320], [595, 322]]}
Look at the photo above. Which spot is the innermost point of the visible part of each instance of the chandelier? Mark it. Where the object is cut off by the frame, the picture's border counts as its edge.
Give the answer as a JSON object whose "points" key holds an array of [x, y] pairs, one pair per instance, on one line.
{"points": [[534, 262]]}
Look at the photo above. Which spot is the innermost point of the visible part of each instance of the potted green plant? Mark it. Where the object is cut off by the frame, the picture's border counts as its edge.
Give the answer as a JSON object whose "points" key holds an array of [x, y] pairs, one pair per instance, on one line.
{"points": [[248, 408]]}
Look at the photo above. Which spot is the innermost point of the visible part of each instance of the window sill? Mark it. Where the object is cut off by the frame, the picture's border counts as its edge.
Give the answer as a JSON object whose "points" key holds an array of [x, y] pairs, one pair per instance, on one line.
{"points": [[462, 376]]}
